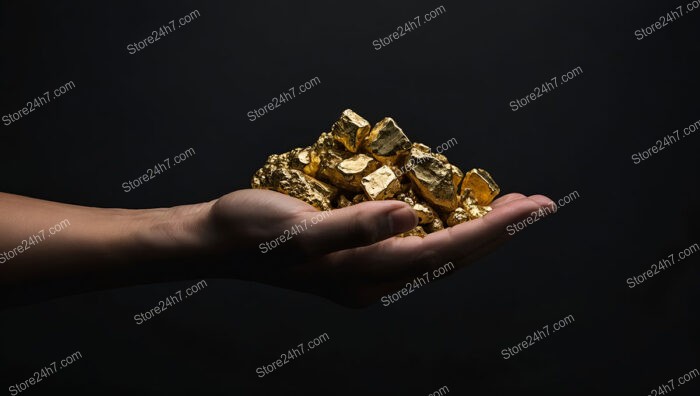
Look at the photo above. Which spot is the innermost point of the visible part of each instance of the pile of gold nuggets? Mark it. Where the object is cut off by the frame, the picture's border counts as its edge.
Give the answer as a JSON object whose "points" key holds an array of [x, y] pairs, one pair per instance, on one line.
{"points": [[356, 162]]}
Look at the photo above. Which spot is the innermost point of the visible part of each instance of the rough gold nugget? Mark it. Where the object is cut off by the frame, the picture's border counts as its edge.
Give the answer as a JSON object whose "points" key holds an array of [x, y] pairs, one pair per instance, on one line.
{"points": [[356, 162]]}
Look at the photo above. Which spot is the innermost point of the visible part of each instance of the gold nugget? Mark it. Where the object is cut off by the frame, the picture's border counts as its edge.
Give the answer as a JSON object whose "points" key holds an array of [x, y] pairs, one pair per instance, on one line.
{"points": [[299, 185], [381, 184], [387, 142], [350, 130], [458, 216], [425, 213], [418, 231], [481, 186], [432, 179], [348, 173], [434, 226], [476, 211]]}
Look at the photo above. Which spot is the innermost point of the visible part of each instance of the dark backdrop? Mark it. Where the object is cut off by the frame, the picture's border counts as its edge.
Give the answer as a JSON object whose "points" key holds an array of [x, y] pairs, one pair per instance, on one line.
{"points": [[452, 77]]}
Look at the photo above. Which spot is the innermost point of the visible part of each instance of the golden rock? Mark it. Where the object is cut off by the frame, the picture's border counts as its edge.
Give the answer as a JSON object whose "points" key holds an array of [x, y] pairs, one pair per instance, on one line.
{"points": [[441, 157], [259, 179], [405, 197], [298, 185], [328, 161], [323, 144], [425, 213], [381, 184], [481, 186], [359, 198], [291, 159], [457, 176], [459, 215], [343, 202], [350, 130], [467, 199], [310, 161], [422, 147], [327, 142], [432, 179], [349, 172], [476, 211], [387, 142], [434, 226], [417, 231]]}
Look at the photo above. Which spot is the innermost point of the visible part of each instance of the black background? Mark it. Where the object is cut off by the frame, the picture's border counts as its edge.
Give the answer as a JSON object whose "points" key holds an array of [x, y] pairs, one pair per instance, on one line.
{"points": [[453, 77]]}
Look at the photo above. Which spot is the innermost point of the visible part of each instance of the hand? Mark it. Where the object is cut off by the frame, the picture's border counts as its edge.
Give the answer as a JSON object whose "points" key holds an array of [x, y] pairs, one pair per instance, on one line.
{"points": [[348, 255]]}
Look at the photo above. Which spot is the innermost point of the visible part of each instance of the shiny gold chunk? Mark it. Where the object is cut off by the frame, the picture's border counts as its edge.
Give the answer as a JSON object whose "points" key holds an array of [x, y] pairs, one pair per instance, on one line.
{"points": [[404, 197], [328, 163], [324, 144], [425, 213], [359, 198], [434, 226], [350, 130], [348, 173], [481, 186], [342, 202], [260, 178], [476, 211], [432, 179], [467, 199], [418, 231], [327, 142], [387, 142], [298, 185], [310, 161], [292, 159], [457, 176], [297, 159], [458, 216], [381, 184], [422, 147]]}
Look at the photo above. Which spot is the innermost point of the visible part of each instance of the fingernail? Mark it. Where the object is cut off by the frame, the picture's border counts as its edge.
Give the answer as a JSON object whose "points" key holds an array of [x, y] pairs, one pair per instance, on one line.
{"points": [[402, 220]]}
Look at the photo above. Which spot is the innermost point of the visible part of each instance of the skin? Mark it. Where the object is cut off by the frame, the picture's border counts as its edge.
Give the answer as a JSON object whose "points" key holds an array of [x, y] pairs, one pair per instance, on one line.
{"points": [[350, 257]]}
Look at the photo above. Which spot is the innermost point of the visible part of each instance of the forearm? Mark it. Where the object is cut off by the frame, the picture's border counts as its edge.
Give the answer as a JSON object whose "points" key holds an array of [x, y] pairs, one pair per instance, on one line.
{"points": [[46, 243]]}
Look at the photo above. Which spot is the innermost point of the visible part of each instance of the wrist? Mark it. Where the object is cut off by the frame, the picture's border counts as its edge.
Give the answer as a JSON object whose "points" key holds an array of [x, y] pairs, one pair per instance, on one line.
{"points": [[176, 232]]}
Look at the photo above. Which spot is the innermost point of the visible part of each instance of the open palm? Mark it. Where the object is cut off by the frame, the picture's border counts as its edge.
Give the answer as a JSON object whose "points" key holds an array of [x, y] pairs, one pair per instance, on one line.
{"points": [[350, 255]]}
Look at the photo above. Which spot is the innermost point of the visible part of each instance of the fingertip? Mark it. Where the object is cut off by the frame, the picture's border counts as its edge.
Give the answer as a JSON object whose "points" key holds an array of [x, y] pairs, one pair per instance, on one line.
{"points": [[402, 219], [542, 200]]}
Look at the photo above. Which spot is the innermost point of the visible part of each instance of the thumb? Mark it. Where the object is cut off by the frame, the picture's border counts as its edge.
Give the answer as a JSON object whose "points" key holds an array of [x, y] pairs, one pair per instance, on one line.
{"points": [[358, 225]]}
